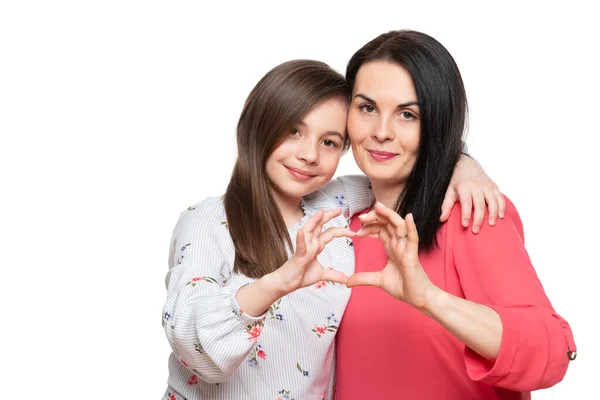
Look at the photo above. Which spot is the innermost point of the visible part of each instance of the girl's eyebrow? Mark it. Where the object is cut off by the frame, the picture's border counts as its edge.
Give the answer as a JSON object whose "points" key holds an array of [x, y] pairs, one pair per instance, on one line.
{"points": [[328, 133]]}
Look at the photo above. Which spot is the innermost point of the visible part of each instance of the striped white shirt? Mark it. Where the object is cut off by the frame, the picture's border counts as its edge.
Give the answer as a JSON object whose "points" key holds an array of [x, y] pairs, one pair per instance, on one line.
{"points": [[219, 352]]}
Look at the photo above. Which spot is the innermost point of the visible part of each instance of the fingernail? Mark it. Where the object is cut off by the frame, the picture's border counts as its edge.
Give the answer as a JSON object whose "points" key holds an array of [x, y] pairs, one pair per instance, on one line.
{"points": [[475, 229], [501, 215], [465, 222], [362, 216], [492, 221]]}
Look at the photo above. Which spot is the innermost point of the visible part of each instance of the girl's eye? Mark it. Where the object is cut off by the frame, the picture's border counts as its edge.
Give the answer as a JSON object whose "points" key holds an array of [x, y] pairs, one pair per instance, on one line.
{"points": [[295, 132], [329, 143]]}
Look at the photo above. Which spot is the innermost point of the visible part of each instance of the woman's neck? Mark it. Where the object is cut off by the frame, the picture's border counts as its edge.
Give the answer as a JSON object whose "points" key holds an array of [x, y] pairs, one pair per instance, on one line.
{"points": [[386, 193]]}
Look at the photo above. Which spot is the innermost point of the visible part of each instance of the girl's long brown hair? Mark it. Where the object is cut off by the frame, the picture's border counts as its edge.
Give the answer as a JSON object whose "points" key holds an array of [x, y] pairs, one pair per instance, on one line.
{"points": [[281, 99]]}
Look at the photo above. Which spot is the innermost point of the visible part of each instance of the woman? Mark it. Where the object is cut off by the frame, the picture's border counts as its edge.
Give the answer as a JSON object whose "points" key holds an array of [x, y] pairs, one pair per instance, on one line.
{"points": [[467, 317]]}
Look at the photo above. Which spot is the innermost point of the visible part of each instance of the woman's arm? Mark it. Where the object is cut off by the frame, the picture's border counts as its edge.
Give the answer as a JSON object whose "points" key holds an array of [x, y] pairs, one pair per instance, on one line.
{"points": [[514, 337]]}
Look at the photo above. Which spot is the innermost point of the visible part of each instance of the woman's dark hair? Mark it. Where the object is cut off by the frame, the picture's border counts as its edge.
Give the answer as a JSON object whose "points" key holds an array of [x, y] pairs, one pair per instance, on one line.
{"points": [[281, 99], [443, 117]]}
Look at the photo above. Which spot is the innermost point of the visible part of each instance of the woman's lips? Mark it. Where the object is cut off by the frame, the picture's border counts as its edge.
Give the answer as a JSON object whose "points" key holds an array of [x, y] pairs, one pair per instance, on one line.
{"points": [[381, 155]]}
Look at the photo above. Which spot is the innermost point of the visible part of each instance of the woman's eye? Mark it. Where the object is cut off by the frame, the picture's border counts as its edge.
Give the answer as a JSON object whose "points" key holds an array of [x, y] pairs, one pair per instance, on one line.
{"points": [[407, 115], [367, 108], [294, 132]]}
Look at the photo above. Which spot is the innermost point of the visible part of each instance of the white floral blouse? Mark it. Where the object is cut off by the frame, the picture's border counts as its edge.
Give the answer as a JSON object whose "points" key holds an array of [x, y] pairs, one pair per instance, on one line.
{"points": [[219, 352]]}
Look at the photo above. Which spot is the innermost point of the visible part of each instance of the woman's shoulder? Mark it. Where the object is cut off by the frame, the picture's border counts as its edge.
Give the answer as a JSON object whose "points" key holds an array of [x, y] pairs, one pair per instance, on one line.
{"points": [[511, 223]]}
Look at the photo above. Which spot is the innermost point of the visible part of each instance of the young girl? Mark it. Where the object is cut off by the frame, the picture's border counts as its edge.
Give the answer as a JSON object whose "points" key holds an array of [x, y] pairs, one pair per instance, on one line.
{"points": [[256, 278]]}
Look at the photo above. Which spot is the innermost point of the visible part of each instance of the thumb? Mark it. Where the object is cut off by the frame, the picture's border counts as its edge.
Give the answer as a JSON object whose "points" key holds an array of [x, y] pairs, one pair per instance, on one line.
{"points": [[331, 275], [365, 279], [449, 199]]}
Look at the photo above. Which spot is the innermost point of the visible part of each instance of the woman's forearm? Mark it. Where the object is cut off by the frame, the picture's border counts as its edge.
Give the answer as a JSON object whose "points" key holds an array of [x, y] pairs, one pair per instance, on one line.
{"points": [[479, 327]]}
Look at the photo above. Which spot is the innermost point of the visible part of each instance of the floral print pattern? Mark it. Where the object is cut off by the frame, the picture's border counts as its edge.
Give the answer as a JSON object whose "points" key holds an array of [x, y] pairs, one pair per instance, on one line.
{"points": [[330, 326], [302, 371], [284, 395], [182, 254], [198, 279], [257, 353], [273, 311], [254, 330]]}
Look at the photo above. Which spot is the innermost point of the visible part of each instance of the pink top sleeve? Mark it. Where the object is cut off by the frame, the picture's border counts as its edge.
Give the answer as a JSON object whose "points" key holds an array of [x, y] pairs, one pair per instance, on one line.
{"points": [[494, 269]]}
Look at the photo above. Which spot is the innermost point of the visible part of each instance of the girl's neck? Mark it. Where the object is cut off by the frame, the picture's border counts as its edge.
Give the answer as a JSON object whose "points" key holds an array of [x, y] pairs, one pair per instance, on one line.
{"points": [[290, 209]]}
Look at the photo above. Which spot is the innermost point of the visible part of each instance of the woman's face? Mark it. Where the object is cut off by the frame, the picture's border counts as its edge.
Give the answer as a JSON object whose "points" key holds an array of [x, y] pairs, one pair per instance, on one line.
{"points": [[384, 122]]}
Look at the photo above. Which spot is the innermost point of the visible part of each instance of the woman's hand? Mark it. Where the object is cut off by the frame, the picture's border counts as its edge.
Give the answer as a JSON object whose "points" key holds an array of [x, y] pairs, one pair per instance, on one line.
{"points": [[303, 269], [473, 189], [403, 276]]}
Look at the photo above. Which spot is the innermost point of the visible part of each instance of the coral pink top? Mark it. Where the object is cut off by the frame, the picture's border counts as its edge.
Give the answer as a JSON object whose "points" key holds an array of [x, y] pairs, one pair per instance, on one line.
{"points": [[387, 349]]}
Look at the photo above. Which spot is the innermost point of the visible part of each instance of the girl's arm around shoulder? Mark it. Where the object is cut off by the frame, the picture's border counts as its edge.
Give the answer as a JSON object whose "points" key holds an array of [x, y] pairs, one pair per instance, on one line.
{"points": [[204, 325], [495, 270]]}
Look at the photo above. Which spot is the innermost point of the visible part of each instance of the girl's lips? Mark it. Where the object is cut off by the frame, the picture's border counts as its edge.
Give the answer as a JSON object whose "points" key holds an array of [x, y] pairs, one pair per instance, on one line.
{"points": [[299, 174], [381, 155]]}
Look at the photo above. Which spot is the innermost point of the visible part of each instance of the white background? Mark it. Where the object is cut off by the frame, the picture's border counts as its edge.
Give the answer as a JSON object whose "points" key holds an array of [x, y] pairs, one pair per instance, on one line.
{"points": [[117, 115]]}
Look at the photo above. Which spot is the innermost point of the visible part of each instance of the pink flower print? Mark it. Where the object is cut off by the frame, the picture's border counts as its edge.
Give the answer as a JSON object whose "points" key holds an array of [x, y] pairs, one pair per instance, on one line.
{"points": [[193, 380], [254, 330], [320, 330], [261, 354], [199, 279], [324, 394], [184, 363], [256, 352], [321, 284], [172, 397]]}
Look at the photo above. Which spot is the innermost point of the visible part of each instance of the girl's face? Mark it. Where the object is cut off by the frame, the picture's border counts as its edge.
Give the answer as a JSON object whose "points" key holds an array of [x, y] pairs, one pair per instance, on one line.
{"points": [[309, 155], [384, 122]]}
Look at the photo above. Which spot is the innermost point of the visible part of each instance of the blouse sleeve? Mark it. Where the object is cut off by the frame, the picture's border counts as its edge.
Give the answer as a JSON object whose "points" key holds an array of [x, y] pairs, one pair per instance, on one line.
{"points": [[204, 325], [352, 192], [494, 269]]}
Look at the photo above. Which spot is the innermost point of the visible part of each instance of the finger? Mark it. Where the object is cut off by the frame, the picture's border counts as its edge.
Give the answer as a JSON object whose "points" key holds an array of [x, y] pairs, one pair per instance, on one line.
{"points": [[385, 237], [371, 230], [449, 199], [331, 275], [365, 279], [479, 210], [309, 226], [328, 235], [396, 226], [501, 203], [371, 216], [327, 216], [412, 238], [466, 206], [492, 204], [300, 243]]}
